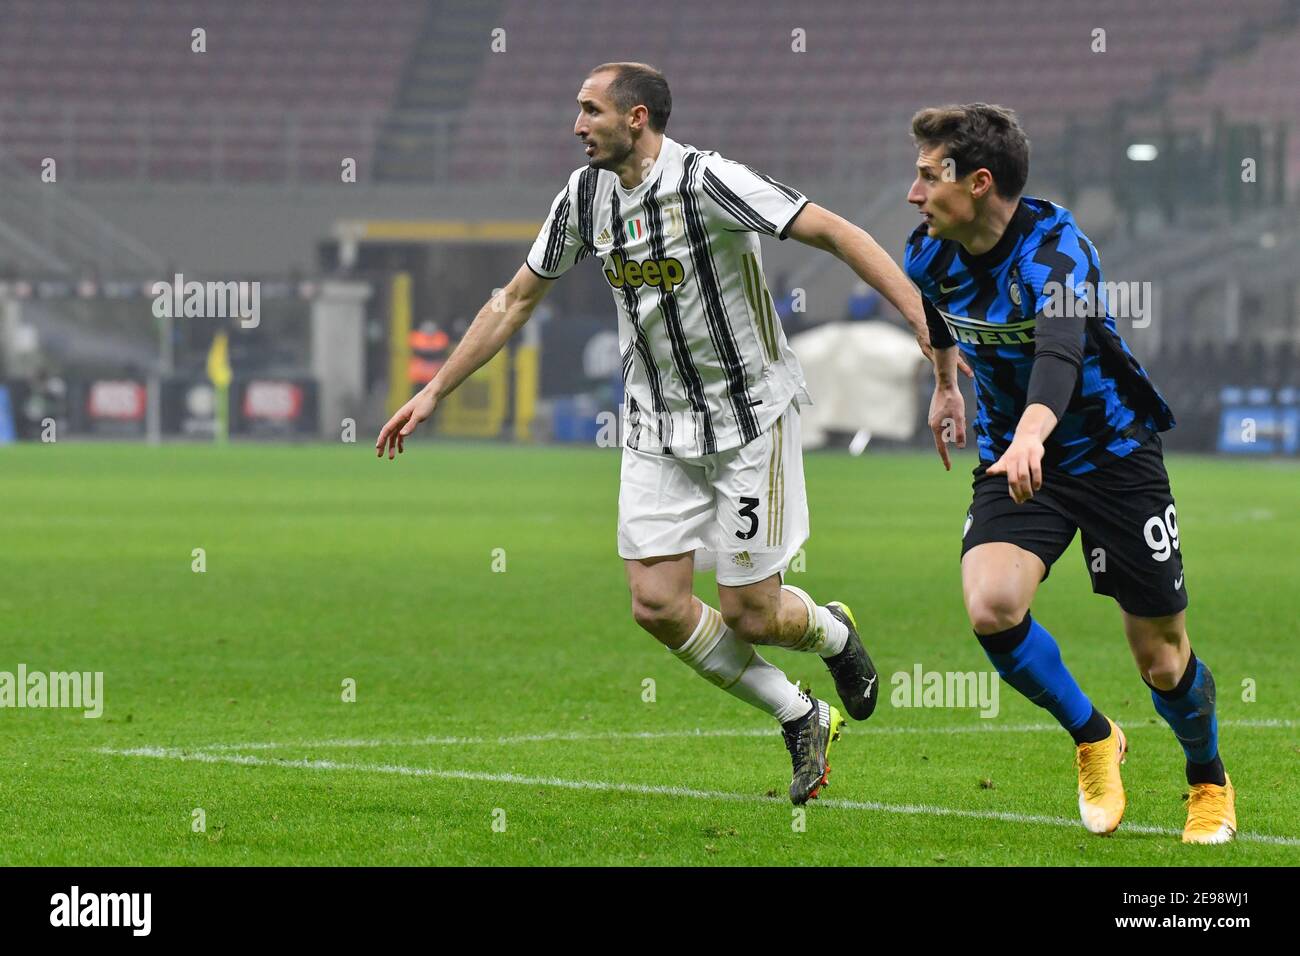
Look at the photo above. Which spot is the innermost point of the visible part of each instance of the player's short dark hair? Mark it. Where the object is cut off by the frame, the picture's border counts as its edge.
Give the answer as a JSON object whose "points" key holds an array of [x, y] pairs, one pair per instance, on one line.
{"points": [[640, 84], [978, 136]]}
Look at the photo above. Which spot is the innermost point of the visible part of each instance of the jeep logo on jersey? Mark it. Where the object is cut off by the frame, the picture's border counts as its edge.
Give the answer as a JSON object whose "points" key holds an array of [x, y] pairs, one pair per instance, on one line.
{"points": [[970, 331], [667, 274]]}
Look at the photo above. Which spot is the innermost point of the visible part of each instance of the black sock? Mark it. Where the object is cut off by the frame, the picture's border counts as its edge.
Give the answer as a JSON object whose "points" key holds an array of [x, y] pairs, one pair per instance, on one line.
{"points": [[1211, 772], [1096, 729]]}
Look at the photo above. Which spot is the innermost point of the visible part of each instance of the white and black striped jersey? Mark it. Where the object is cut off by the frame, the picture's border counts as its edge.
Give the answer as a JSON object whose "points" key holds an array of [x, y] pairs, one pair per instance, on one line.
{"points": [[705, 361]]}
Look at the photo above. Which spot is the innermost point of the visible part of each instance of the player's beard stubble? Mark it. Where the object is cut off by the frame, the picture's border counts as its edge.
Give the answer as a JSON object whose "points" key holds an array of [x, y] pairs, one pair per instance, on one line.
{"points": [[618, 153]]}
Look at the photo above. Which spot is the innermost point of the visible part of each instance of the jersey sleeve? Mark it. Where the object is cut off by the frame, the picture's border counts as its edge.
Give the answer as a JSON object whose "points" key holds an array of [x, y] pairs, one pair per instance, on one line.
{"points": [[940, 336], [748, 200], [1063, 266], [557, 246]]}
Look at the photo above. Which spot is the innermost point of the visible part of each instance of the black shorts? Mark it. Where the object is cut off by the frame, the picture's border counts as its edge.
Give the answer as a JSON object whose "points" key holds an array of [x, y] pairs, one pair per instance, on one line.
{"points": [[1124, 512]]}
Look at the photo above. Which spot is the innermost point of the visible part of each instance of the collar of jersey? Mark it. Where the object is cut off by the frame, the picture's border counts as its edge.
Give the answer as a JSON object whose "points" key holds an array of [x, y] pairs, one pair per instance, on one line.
{"points": [[1020, 223], [649, 177]]}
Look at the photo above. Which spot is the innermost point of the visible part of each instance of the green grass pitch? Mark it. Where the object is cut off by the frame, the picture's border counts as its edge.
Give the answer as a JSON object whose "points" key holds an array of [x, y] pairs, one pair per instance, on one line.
{"points": [[500, 715]]}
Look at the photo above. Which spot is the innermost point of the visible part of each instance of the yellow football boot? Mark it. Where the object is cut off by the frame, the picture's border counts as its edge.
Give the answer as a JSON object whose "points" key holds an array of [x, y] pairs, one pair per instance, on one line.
{"points": [[1211, 813], [1101, 791]]}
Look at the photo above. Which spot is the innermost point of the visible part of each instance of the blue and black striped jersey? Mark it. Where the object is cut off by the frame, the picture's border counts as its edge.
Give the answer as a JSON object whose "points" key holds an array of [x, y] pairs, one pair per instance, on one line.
{"points": [[1003, 309]]}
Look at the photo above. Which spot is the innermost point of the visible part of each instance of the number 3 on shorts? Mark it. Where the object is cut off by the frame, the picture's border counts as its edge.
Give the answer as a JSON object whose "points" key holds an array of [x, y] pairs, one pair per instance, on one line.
{"points": [[747, 506], [1161, 533]]}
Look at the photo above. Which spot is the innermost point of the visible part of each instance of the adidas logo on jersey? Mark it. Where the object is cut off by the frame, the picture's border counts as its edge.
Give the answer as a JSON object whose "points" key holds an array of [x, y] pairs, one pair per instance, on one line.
{"points": [[604, 239], [667, 274]]}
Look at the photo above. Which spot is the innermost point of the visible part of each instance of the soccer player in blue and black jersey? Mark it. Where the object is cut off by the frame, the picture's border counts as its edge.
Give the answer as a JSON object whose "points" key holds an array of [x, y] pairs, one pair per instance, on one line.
{"points": [[1068, 425]]}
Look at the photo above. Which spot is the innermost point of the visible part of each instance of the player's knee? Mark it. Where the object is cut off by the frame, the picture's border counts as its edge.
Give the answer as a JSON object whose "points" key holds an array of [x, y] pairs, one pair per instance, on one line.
{"points": [[1161, 665], [994, 610], [1162, 674], [658, 614], [1159, 649]]}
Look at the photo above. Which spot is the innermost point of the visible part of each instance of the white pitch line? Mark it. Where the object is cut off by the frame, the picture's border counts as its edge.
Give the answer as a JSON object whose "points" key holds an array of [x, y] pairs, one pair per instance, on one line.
{"points": [[652, 790], [516, 739], [983, 728]]}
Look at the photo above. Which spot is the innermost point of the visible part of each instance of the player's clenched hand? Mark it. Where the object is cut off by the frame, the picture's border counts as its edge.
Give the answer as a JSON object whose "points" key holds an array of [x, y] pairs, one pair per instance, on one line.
{"points": [[947, 420], [403, 423], [1022, 463]]}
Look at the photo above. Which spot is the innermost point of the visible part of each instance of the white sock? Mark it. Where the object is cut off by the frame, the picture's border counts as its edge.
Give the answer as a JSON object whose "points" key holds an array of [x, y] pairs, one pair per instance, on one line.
{"points": [[715, 653], [825, 635]]}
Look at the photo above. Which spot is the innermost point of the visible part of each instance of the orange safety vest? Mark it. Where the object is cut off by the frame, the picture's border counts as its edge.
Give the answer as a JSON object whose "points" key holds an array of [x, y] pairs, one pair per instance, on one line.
{"points": [[428, 352]]}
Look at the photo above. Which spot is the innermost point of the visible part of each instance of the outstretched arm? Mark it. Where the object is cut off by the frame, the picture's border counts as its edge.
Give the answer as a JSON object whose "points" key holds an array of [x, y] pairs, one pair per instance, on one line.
{"points": [[503, 315], [823, 229]]}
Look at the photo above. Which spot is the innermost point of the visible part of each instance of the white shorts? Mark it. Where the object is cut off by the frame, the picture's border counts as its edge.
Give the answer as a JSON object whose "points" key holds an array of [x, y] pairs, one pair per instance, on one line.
{"points": [[743, 511]]}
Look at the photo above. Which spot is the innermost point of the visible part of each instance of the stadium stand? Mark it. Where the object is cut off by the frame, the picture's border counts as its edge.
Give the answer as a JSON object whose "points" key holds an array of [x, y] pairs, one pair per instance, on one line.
{"points": [[1259, 85], [115, 88], [456, 109], [119, 93], [812, 96]]}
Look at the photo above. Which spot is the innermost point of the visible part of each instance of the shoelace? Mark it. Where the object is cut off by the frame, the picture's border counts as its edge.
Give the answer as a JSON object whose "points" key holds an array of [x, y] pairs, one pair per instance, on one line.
{"points": [[1206, 808], [794, 742], [1093, 771], [795, 739]]}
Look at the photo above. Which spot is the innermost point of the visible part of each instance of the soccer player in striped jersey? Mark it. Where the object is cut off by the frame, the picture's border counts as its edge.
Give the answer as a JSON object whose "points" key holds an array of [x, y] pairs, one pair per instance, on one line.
{"points": [[712, 472], [1069, 427]]}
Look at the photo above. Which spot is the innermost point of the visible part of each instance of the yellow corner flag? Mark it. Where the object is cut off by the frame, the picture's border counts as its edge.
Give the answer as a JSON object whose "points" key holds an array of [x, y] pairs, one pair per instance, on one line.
{"points": [[219, 374], [219, 361]]}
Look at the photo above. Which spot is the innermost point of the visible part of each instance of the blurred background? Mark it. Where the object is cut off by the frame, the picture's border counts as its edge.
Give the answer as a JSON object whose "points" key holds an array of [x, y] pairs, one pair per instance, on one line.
{"points": [[380, 167]]}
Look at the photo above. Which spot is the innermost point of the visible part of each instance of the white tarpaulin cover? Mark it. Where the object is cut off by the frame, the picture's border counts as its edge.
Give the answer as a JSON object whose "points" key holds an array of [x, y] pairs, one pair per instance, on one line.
{"points": [[862, 377]]}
